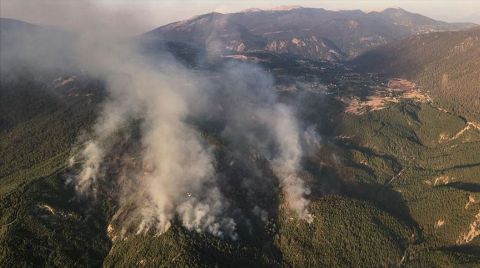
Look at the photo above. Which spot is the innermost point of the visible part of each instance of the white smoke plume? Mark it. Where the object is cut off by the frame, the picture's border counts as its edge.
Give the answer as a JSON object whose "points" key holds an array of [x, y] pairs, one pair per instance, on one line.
{"points": [[287, 165], [179, 176], [260, 122], [178, 179]]}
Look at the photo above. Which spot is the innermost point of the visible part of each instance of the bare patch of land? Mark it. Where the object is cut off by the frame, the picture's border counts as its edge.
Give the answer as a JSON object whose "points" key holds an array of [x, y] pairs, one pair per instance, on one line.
{"points": [[473, 231], [396, 90]]}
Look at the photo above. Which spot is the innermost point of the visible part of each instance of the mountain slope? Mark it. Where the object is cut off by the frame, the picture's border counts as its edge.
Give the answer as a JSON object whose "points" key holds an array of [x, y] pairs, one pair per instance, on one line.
{"points": [[307, 32], [447, 64], [26, 46]]}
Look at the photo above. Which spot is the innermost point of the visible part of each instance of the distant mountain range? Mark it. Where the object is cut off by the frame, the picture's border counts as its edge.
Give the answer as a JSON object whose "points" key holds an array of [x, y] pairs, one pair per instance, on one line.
{"points": [[313, 33], [306, 32]]}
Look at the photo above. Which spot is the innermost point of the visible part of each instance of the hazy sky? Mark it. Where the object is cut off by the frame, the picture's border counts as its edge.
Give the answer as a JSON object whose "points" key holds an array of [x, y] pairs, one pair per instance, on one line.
{"points": [[142, 15]]}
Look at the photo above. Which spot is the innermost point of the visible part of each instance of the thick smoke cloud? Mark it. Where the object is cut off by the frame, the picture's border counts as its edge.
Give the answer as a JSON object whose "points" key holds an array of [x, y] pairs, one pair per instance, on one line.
{"points": [[178, 178], [175, 175]]}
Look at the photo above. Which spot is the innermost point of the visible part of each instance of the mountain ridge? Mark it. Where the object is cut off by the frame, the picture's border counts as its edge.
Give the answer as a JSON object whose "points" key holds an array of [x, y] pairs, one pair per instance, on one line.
{"points": [[349, 32], [444, 63]]}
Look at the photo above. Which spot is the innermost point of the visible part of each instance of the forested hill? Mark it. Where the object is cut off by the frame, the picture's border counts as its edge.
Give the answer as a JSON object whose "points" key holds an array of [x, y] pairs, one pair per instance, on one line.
{"points": [[447, 64]]}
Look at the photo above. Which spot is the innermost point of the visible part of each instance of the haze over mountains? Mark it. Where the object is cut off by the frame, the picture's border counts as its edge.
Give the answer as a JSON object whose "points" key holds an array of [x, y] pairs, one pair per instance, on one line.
{"points": [[294, 30], [307, 32]]}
